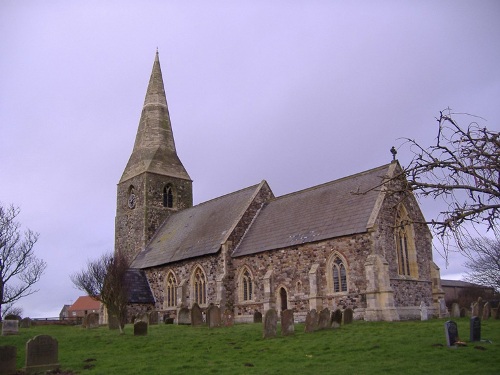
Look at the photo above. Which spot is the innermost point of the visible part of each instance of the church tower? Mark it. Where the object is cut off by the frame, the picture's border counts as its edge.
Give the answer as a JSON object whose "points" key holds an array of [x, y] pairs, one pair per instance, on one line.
{"points": [[154, 183]]}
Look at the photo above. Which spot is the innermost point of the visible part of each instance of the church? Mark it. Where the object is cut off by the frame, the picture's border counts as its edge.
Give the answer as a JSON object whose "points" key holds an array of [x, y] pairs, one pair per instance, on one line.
{"points": [[358, 242]]}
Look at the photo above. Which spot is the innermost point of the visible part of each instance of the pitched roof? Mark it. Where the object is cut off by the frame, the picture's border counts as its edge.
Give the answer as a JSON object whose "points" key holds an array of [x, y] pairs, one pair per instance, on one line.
{"points": [[196, 231], [138, 287], [85, 303], [324, 211]]}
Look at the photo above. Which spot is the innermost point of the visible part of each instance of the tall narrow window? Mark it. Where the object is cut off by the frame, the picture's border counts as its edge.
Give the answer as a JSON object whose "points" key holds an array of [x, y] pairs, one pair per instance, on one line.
{"points": [[171, 290], [199, 287], [405, 247], [168, 197], [247, 283], [339, 274]]}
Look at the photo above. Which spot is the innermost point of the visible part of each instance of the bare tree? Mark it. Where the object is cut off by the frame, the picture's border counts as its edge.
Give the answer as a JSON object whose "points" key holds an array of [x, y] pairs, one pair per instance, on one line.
{"points": [[104, 280], [10, 309], [484, 267], [462, 169], [20, 269]]}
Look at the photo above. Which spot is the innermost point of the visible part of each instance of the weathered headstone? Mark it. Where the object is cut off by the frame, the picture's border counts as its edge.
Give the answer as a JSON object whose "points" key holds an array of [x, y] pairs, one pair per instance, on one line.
{"points": [[228, 318], [486, 311], [336, 320], [213, 316], [168, 320], [8, 355], [311, 321], [474, 308], [475, 329], [184, 316], [443, 311], [463, 312], [480, 307], [25, 323], [42, 354], [91, 321], [140, 328], [324, 319], [270, 323], [287, 326], [113, 322], [424, 312], [257, 317], [10, 327], [455, 310], [143, 318], [348, 315], [196, 315], [451, 331]]}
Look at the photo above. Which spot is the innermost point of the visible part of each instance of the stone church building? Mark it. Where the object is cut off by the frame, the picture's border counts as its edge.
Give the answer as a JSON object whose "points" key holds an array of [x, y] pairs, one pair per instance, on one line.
{"points": [[354, 242]]}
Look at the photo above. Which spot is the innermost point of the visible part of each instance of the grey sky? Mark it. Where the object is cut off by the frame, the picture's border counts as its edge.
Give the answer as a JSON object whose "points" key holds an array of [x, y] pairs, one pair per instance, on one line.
{"points": [[294, 92]]}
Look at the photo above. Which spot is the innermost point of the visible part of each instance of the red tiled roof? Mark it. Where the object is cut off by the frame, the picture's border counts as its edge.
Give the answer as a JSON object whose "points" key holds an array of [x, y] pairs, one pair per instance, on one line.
{"points": [[85, 303]]}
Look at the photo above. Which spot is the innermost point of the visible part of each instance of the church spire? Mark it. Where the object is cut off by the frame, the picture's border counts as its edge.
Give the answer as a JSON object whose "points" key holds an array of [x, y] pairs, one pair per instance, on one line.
{"points": [[154, 148]]}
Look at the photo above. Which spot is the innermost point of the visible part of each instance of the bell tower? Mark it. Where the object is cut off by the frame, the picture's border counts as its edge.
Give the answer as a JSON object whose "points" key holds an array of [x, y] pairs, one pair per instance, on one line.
{"points": [[154, 183]]}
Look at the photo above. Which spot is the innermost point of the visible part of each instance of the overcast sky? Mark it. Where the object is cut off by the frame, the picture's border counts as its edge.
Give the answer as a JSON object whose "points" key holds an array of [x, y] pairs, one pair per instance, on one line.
{"points": [[294, 92]]}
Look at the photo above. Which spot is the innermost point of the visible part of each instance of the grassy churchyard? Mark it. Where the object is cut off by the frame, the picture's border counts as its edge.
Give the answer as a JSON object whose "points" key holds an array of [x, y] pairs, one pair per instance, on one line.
{"points": [[413, 347]]}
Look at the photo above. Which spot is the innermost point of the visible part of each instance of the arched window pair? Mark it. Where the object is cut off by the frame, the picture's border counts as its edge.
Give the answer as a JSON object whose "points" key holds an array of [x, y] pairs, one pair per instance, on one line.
{"points": [[246, 285], [199, 286], [170, 290], [405, 245], [168, 197], [337, 274]]}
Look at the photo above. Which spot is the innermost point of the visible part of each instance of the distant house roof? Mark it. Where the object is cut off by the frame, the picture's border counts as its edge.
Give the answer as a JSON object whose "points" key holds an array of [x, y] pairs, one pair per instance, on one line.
{"points": [[85, 303], [196, 231], [338, 208]]}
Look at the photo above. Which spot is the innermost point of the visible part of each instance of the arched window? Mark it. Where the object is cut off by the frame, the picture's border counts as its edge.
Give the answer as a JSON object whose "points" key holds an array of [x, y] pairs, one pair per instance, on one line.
{"points": [[199, 287], [405, 245], [246, 285], [283, 299], [337, 274], [170, 290], [168, 197]]}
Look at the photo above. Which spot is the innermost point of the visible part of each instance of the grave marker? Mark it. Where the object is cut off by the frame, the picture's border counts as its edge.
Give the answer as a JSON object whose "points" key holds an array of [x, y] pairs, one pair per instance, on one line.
{"points": [[451, 331], [287, 326], [140, 328], [184, 316], [42, 354], [348, 315], [324, 319], [196, 315], [336, 320], [25, 323], [10, 327], [91, 321], [153, 317], [8, 355], [486, 311], [270, 323], [228, 318], [455, 310], [257, 317], [213, 316], [311, 321], [475, 329], [424, 312]]}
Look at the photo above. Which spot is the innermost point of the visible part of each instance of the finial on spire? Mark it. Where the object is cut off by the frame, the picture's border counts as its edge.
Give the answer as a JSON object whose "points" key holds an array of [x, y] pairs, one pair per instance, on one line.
{"points": [[393, 152]]}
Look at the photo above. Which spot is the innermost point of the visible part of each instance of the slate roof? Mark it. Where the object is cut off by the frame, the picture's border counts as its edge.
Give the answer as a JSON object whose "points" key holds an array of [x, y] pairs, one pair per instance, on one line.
{"points": [[196, 231], [139, 291], [321, 212]]}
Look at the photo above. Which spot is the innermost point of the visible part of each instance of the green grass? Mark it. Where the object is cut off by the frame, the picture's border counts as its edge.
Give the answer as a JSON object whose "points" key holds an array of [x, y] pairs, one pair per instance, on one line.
{"points": [[360, 348]]}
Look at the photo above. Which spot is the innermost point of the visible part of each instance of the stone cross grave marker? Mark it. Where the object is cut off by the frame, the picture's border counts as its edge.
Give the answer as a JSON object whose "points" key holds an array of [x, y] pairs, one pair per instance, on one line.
{"points": [[228, 318], [184, 316], [451, 331], [336, 319], [140, 328], [8, 355], [324, 319], [475, 329], [10, 327], [196, 315], [257, 317], [455, 310], [270, 323], [348, 315], [42, 354], [287, 326], [311, 321], [213, 316]]}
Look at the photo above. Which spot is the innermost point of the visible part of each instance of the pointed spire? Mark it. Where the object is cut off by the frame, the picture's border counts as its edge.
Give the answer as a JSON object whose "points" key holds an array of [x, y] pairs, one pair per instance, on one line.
{"points": [[154, 148]]}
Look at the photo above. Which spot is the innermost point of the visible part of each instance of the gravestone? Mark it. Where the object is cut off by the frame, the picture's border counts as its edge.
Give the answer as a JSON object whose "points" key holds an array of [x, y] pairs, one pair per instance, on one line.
{"points": [[213, 316], [480, 307], [270, 324], [451, 331], [8, 356], [257, 317], [228, 318], [463, 312], [91, 320], [455, 310], [140, 328], [113, 322], [486, 311], [196, 315], [25, 323], [143, 318], [287, 326], [348, 315], [336, 320], [10, 327], [424, 312], [184, 316], [443, 311], [42, 353], [475, 329], [153, 317], [474, 309], [168, 320], [311, 321], [324, 319]]}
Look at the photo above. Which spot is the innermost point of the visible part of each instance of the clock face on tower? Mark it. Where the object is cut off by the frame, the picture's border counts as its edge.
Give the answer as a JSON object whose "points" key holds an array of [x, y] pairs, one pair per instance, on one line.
{"points": [[131, 200]]}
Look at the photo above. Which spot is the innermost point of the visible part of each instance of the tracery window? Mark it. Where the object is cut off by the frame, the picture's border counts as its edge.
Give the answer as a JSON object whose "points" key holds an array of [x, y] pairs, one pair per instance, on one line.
{"points": [[168, 197], [170, 290], [339, 274], [405, 245], [247, 285], [199, 287]]}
